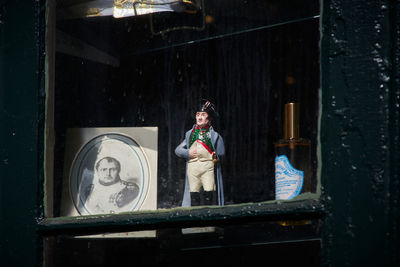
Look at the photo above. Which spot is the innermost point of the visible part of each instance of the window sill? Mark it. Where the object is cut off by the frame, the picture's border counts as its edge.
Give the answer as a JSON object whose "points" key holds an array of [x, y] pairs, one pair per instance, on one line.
{"points": [[184, 217]]}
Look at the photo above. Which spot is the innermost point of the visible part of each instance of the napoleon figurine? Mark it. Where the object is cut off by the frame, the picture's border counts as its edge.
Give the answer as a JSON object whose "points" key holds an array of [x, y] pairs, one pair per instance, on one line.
{"points": [[203, 149]]}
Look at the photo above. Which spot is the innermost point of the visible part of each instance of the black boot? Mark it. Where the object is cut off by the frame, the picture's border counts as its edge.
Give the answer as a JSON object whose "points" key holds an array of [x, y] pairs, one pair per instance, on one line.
{"points": [[195, 199], [210, 198]]}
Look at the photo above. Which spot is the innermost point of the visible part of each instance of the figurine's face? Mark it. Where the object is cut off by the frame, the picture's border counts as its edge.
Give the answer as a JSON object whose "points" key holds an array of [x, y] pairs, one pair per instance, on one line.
{"points": [[108, 172], [202, 119]]}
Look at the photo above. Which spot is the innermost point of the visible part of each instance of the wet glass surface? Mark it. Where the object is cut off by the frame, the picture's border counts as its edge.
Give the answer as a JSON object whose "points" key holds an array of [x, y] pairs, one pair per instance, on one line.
{"points": [[248, 57], [283, 243]]}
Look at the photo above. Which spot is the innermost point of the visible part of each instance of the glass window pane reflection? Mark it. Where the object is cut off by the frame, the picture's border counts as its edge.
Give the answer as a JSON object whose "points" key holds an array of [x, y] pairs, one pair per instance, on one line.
{"points": [[248, 57]]}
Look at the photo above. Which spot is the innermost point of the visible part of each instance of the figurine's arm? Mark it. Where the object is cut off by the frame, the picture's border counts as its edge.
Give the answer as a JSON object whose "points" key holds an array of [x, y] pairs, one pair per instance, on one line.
{"points": [[182, 151], [220, 147]]}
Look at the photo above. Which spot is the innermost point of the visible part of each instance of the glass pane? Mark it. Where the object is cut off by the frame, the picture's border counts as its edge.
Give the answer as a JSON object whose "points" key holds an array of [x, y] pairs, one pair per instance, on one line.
{"points": [[127, 89], [249, 244]]}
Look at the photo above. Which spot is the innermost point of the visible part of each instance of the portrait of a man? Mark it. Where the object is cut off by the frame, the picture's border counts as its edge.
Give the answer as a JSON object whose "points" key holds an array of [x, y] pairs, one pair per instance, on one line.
{"points": [[108, 193], [109, 175], [110, 170]]}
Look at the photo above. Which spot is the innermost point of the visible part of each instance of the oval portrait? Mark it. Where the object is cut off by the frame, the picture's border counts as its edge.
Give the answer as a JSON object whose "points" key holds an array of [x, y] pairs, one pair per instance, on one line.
{"points": [[110, 174]]}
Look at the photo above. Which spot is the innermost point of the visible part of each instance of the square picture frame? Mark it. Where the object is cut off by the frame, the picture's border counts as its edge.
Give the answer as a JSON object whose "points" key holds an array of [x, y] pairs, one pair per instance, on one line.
{"points": [[109, 170]]}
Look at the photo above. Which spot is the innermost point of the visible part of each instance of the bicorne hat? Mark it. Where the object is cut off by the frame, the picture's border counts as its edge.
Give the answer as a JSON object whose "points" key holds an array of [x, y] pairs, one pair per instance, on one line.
{"points": [[207, 106]]}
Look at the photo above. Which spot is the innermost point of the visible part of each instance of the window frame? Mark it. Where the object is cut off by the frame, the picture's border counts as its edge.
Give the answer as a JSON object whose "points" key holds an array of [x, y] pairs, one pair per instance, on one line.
{"points": [[184, 217], [306, 206], [345, 211]]}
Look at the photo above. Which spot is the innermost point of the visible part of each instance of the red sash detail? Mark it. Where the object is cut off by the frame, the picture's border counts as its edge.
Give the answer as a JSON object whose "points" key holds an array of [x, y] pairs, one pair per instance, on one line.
{"points": [[205, 146]]}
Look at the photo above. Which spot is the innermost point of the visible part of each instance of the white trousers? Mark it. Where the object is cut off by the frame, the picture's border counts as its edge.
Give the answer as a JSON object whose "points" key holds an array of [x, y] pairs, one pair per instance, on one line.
{"points": [[201, 174]]}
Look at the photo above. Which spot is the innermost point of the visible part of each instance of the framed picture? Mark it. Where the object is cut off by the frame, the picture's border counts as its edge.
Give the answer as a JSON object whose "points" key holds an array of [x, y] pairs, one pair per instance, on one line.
{"points": [[109, 170]]}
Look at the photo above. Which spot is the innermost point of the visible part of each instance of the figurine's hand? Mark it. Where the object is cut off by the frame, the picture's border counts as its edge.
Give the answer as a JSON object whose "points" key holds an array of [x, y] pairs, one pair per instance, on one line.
{"points": [[193, 153]]}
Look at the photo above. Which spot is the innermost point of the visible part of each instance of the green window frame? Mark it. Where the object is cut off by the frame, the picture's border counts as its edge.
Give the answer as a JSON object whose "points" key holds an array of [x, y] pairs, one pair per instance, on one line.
{"points": [[304, 208], [347, 201]]}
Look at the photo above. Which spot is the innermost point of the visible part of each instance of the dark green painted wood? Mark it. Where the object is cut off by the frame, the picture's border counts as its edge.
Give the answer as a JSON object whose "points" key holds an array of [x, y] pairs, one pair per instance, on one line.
{"points": [[358, 134], [184, 217], [20, 149], [394, 130], [359, 139]]}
